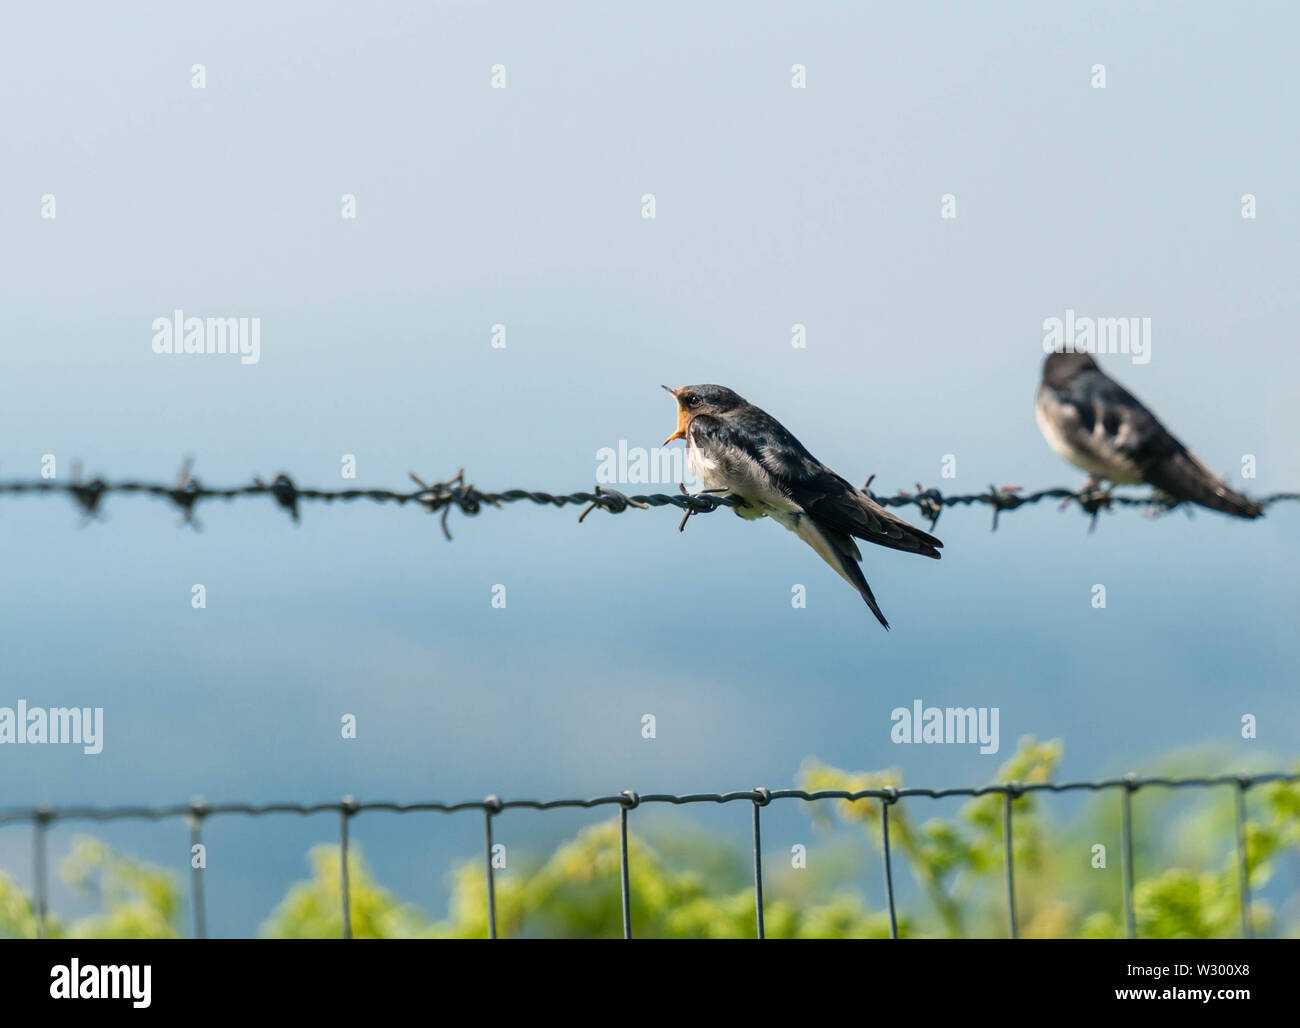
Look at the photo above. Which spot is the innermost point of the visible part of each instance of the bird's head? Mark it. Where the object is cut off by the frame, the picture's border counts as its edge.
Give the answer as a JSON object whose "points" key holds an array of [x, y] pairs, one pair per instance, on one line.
{"points": [[1059, 368], [701, 399]]}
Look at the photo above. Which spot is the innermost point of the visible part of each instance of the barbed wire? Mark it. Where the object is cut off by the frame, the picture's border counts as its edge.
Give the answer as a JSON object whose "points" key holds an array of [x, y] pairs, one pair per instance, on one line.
{"points": [[187, 493], [198, 811]]}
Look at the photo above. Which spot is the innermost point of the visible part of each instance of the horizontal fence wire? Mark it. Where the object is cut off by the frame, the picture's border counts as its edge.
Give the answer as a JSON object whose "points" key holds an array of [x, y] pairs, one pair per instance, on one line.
{"points": [[197, 812], [187, 493]]}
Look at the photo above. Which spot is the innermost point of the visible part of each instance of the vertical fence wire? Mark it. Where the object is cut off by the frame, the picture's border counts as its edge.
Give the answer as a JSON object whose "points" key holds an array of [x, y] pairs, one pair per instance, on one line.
{"points": [[1243, 867], [764, 798], [491, 805], [196, 872], [346, 809], [1126, 853], [884, 845], [41, 884], [629, 801], [1008, 858]]}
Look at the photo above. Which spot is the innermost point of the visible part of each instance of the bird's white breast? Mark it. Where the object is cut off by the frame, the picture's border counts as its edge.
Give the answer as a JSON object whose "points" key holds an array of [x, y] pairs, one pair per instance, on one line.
{"points": [[1049, 413], [743, 475]]}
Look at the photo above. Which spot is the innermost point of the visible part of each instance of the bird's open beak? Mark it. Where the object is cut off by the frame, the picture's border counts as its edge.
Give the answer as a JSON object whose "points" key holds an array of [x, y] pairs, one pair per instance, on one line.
{"points": [[683, 420]]}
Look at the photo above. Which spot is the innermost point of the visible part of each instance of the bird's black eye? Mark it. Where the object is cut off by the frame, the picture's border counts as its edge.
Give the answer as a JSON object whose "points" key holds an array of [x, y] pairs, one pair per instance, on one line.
{"points": [[694, 401]]}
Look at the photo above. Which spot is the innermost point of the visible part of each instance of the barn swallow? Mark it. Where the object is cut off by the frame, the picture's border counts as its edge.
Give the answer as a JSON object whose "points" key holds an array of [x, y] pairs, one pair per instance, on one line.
{"points": [[1096, 424], [734, 447]]}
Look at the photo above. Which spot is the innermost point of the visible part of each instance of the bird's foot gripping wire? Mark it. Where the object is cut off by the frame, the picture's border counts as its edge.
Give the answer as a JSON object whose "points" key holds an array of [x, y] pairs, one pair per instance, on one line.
{"points": [[1162, 503], [1088, 487], [1093, 499], [611, 500], [703, 500]]}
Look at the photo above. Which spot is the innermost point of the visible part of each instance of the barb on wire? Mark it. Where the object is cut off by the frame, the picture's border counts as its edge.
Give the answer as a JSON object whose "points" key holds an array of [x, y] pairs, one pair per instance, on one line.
{"points": [[457, 494]]}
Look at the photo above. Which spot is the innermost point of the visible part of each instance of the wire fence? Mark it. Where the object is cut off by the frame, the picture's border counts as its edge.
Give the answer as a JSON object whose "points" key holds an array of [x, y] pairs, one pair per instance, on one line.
{"points": [[198, 812], [187, 493]]}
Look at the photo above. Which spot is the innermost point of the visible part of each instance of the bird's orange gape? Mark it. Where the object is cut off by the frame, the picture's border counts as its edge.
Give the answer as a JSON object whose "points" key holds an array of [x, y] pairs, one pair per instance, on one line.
{"points": [[683, 420]]}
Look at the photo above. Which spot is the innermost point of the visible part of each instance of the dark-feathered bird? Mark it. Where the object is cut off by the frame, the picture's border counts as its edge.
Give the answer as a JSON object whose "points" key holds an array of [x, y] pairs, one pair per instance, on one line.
{"points": [[733, 446], [1096, 424]]}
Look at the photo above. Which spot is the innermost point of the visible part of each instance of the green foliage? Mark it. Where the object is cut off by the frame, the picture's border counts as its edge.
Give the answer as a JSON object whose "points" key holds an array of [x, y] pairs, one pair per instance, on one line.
{"points": [[313, 909], [17, 912], [959, 862], [138, 900], [575, 893], [950, 858]]}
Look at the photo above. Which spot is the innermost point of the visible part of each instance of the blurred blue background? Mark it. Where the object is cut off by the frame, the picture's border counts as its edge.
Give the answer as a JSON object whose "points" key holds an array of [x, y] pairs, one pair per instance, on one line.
{"points": [[522, 206]]}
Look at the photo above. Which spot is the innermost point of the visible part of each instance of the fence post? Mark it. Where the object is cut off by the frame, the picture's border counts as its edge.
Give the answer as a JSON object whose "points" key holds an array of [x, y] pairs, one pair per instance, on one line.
{"points": [[630, 801], [198, 811], [885, 803]]}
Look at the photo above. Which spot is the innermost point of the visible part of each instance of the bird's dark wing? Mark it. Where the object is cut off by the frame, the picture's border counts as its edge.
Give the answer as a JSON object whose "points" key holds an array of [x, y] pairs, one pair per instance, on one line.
{"points": [[830, 500], [1106, 420]]}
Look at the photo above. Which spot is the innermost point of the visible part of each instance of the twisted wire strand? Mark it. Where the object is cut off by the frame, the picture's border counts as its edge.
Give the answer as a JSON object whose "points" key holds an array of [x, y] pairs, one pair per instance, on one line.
{"points": [[187, 493]]}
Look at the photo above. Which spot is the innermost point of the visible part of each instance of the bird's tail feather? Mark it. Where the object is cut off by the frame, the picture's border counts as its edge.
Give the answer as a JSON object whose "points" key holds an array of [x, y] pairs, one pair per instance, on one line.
{"points": [[839, 551], [1185, 477], [898, 534], [859, 581]]}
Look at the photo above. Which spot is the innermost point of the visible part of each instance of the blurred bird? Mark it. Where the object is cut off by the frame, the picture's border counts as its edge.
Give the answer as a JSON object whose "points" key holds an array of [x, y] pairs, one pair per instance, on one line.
{"points": [[1096, 424], [734, 447]]}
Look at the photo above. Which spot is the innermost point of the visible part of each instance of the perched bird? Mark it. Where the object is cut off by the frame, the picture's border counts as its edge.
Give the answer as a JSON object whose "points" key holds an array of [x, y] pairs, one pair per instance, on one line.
{"points": [[1098, 425], [734, 447]]}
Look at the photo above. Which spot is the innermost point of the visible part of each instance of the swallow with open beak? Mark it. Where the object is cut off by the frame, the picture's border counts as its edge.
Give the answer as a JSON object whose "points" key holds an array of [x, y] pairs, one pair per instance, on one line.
{"points": [[733, 447], [1097, 425]]}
